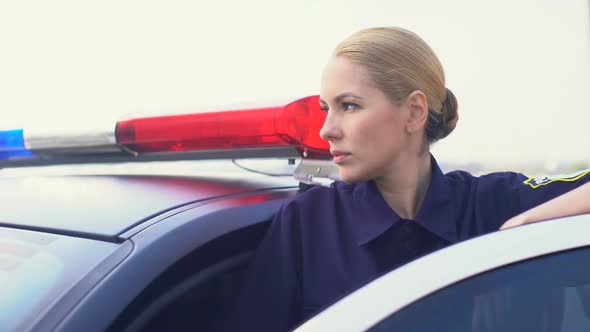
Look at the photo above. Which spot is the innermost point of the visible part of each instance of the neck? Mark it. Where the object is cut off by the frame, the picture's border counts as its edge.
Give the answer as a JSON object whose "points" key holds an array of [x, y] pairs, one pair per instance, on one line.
{"points": [[405, 186]]}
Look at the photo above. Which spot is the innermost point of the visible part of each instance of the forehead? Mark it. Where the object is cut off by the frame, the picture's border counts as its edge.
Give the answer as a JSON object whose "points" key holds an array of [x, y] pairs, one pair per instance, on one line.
{"points": [[341, 75]]}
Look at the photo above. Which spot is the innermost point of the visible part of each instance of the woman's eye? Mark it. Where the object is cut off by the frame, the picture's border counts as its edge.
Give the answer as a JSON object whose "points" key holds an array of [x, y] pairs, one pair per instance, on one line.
{"points": [[324, 108], [349, 106]]}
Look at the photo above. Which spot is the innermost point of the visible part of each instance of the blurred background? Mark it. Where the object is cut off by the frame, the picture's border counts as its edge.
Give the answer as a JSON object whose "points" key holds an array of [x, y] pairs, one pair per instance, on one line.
{"points": [[519, 68]]}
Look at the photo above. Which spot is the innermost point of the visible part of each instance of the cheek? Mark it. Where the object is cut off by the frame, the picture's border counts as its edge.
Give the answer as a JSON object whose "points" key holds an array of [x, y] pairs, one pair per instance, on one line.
{"points": [[377, 134], [368, 137]]}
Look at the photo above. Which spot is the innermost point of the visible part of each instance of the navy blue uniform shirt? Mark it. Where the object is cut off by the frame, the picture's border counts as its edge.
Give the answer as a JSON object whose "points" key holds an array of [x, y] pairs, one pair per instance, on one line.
{"points": [[329, 241]]}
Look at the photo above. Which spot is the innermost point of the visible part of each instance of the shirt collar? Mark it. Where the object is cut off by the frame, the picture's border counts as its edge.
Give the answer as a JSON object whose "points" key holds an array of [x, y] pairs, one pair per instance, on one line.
{"points": [[374, 216]]}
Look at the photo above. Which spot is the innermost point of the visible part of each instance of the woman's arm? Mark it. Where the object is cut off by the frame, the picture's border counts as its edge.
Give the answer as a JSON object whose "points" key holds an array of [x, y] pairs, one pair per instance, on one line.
{"points": [[571, 203]]}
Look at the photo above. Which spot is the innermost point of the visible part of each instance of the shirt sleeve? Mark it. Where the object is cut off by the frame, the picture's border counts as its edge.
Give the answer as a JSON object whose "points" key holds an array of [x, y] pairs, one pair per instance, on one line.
{"points": [[270, 299], [534, 191], [503, 195]]}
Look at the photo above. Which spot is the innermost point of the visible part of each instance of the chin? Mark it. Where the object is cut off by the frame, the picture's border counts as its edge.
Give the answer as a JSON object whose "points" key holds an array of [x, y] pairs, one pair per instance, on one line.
{"points": [[350, 175]]}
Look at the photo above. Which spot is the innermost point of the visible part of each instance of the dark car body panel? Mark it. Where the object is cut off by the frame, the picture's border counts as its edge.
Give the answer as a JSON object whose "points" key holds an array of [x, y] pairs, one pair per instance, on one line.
{"points": [[159, 246]]}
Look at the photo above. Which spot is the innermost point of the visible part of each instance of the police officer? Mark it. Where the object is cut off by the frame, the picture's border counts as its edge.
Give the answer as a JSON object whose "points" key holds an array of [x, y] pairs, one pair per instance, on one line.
{"points": [[386, 102]]}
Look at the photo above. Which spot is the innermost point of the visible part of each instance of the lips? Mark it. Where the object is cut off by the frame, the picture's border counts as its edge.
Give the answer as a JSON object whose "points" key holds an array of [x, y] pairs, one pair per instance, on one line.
{"points": [[339, 156]]}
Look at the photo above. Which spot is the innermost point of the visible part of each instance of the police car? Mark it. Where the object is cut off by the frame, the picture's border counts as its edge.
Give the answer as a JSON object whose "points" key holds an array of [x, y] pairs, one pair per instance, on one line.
{"points": [[131, 249]]}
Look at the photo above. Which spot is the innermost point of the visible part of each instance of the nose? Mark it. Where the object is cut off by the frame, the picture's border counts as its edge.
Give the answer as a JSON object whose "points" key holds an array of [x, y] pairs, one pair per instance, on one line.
{"points": [[330, 130]]}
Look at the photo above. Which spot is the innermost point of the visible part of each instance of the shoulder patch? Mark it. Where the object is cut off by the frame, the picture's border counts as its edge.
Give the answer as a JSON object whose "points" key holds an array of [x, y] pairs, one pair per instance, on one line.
{"points": [[542, 181]]}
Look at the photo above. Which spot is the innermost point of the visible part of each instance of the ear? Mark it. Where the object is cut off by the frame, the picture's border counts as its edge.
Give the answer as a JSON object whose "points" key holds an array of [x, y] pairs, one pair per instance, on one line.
{"points": [[417, 104]]}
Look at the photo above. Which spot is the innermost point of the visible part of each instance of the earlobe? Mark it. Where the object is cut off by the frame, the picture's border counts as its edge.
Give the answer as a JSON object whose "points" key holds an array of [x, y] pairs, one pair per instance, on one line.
{"points": [[417, 104]]}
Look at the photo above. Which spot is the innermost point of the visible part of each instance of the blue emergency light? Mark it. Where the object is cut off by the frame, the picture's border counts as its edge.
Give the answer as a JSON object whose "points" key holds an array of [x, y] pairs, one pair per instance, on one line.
{"points": [[12, 144]]}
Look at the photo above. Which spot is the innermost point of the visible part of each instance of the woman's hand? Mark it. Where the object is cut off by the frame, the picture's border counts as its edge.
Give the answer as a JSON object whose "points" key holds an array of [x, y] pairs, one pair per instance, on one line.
{"points": [[515, 221], [571, 203]]}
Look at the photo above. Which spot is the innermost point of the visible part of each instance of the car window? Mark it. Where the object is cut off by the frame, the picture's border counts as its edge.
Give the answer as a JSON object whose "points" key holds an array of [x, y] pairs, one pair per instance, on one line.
{"points": [[549, 293], [193, 291]]}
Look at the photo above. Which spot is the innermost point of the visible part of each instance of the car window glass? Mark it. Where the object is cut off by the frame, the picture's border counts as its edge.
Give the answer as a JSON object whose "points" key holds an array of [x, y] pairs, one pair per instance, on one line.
{"points": [[38, 269], [546, 294]]}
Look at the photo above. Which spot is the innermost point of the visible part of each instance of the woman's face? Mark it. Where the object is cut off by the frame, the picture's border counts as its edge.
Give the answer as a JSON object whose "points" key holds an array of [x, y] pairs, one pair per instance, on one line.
{"points": [[366, 131]]}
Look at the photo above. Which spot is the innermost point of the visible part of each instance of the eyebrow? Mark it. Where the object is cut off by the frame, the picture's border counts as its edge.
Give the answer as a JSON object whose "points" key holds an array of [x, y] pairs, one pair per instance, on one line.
{"points": [[342, 96]]}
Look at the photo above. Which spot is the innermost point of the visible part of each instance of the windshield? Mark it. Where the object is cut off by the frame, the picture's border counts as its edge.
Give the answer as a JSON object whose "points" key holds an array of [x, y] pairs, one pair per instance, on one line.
{"points": [[37, 270]]}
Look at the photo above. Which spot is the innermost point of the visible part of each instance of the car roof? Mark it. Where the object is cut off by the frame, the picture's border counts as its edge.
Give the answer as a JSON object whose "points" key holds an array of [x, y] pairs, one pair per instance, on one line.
{"points": [[105, 206]]}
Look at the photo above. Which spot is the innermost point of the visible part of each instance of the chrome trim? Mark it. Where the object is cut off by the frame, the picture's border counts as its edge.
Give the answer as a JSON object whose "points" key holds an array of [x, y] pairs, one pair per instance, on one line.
{"points": [[308, 169], [96, 156], [71, 141]]}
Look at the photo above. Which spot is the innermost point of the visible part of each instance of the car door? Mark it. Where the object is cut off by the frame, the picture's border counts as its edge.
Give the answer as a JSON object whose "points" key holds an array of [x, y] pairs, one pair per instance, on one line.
{"points": [[531, 278], [548, 293]]}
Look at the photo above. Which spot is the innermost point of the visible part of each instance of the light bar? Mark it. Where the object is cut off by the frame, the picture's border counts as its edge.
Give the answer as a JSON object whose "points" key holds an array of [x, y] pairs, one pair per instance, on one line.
{"points": [[12, 144], [289, 131], [297, 125]]}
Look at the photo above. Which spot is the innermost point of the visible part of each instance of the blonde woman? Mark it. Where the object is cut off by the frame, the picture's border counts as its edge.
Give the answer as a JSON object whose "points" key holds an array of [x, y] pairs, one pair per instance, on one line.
{"points": [[386, 101]]}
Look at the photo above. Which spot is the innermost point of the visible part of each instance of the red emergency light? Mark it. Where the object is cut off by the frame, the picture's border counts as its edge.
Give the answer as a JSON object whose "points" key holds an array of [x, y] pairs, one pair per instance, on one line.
{"points": [[296, 124]]}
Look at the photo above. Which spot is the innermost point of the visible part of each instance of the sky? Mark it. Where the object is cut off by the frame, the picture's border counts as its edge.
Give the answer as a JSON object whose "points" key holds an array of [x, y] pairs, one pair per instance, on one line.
{"points": [[520, 69]]}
